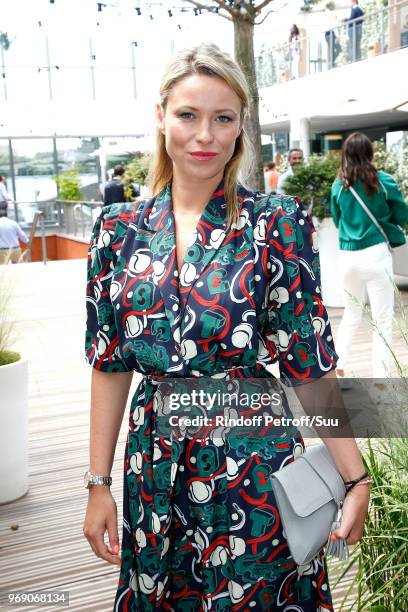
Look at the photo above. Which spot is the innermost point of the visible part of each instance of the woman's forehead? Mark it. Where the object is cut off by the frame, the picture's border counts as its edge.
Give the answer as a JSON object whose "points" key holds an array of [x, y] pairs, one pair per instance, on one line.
{"points": [[199, 90]]}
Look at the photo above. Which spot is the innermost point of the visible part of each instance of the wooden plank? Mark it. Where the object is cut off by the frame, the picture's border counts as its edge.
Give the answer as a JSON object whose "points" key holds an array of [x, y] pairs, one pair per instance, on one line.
{"points": [[48, 550]]}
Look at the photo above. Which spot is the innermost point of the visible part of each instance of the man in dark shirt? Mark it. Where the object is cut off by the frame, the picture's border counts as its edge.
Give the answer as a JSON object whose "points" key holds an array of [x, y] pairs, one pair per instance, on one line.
{"points": [[355, 31], [114, 189]]}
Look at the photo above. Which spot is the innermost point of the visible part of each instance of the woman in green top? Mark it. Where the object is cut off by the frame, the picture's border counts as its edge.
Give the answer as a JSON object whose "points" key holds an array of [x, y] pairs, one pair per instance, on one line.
{"points": [[365, 261]]}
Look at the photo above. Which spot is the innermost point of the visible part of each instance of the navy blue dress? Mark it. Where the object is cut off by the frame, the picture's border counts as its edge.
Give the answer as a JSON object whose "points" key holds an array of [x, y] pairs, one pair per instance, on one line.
{"points": [[201, 530]]}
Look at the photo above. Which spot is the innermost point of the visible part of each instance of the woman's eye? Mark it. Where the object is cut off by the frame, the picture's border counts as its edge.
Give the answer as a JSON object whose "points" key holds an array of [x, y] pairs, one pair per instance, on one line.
{"points": [[220, 118]]}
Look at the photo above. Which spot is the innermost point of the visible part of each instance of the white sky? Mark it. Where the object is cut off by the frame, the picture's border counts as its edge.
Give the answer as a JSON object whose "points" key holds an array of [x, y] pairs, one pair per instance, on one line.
{"points": [[69, 26]]}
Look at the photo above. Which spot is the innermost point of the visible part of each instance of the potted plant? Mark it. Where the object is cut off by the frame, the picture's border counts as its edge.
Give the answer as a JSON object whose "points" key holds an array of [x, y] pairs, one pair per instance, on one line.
{"points": [[69, 190], [312, 183], [13, 403]]}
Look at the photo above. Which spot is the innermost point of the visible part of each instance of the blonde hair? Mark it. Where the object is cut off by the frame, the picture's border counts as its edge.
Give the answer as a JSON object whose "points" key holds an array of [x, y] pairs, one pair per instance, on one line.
{"points": [[209, 60]]}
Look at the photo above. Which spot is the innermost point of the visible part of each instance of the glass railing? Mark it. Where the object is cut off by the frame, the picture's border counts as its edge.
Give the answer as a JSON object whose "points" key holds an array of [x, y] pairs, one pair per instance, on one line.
{"points": [[376, 33], [74, 218]]}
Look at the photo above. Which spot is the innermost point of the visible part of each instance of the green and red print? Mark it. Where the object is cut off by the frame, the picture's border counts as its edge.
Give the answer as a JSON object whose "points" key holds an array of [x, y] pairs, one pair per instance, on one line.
{"points": [[201, 530]]}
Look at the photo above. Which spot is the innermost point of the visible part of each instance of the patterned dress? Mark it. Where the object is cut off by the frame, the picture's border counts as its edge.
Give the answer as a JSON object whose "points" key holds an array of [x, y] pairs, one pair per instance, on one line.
{"points": [[201, 530]]}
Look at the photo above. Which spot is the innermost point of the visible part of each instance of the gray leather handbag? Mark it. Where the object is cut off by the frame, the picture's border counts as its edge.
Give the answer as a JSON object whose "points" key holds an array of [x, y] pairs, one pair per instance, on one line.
{"points": [[309, 494]]}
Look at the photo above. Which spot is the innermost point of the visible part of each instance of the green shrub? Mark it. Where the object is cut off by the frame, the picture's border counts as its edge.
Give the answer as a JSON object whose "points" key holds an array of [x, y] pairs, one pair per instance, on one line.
{"points": [[138, 169], [7, 325], [312, 182], [69, 185], [381, 556]]}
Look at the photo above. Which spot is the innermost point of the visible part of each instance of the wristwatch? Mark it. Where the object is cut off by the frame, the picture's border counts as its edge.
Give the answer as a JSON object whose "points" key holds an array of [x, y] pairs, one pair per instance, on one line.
{"points": [[92, 479]]}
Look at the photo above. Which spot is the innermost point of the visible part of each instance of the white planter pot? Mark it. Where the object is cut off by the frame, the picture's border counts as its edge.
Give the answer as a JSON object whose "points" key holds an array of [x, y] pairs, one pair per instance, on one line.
{"points": [[13, 430], [401, 260], [328, 240]]}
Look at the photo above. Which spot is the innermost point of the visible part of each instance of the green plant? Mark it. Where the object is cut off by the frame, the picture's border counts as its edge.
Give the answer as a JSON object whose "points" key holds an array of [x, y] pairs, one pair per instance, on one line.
{"points": [[312, 182], [381, 556], [6, 324], [383, 159], [138, 169], [69, 185]]}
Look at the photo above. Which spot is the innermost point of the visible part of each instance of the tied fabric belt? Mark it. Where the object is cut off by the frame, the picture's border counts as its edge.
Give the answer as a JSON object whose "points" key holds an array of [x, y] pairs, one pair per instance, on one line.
{"points": [[242, 371]]}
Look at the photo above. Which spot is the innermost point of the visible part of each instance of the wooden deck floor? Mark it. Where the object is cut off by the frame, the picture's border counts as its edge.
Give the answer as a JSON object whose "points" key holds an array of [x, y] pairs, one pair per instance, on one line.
{"points": [[48, 550]]}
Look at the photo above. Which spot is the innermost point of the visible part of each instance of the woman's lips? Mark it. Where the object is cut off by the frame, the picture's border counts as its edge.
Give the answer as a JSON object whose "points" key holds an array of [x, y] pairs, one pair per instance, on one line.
{"points": [[202, 156]]}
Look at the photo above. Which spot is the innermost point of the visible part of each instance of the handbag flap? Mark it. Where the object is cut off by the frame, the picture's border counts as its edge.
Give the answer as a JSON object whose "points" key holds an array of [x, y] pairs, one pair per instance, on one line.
{"points": [[303, 487], [319, 458]]}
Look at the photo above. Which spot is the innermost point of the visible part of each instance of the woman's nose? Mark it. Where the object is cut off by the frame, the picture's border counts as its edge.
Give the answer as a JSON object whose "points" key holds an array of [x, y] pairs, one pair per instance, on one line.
{"points": [[204, 133]]}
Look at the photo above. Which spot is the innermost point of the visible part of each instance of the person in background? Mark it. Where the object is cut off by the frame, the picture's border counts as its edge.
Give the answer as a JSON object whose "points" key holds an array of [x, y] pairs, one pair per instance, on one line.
{"points": [[10, 234], [271, 177], [115, 189], [365, 262], [355, 31], [294, 51], [4, 195], [333, 48], [295, 157]]}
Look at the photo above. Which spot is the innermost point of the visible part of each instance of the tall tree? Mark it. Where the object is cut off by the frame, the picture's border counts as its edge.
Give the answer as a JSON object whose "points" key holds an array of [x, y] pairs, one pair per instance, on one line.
{"points": [[244, 15]]}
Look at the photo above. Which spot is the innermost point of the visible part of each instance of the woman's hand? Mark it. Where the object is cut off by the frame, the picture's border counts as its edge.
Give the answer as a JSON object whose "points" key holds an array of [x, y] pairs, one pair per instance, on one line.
{"points": [[101, 515], [354, 513]]}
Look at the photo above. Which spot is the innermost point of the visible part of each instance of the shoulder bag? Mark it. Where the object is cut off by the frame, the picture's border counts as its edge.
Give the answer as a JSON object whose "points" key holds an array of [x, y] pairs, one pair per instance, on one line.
{"points": [[309, 493]]}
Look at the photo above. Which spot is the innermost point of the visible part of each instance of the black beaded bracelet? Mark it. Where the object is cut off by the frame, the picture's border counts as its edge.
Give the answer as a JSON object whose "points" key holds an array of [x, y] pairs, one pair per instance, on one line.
{"points": [[352, 483]]}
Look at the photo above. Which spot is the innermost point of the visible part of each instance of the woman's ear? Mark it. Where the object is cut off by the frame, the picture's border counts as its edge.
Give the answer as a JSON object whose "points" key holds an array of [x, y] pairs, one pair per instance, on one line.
{"points": [[159, 117]]}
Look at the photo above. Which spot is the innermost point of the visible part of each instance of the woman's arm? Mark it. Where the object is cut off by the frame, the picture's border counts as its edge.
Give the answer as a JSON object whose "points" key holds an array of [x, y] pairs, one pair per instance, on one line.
{"points": [[344, 451], [395, 199], [320, 396], [109, 393], [334, 207]]}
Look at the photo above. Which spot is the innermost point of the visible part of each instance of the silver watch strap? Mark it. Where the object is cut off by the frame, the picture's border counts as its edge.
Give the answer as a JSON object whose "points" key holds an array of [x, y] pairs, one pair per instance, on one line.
{"points": [[96, 480], [100, 480]]}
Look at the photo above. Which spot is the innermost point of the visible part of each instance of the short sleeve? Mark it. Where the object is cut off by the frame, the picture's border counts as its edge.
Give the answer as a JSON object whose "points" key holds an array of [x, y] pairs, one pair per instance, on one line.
{"points": [[299, 331], [102, 346]]}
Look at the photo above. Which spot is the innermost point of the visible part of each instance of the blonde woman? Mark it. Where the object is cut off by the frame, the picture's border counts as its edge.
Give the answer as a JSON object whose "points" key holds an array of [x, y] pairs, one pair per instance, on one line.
{"points": [[205, 279]]}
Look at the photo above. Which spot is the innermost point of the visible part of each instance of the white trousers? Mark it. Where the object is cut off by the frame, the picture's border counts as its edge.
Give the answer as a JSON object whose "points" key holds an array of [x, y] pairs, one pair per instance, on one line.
{"points": [[367, 271]]}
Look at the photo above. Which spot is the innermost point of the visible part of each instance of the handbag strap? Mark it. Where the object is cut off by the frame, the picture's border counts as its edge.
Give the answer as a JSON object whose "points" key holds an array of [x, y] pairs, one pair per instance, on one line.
{"points": [[372, 217]]}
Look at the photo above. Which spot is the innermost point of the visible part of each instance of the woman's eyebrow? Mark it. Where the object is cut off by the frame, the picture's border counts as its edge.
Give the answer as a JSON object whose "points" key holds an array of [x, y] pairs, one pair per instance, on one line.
{"points": [[222, 110]]}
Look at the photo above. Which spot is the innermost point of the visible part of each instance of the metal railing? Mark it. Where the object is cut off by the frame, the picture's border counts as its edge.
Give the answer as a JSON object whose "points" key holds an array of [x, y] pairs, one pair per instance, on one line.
{"points": [[342, 44], [75, 218]]}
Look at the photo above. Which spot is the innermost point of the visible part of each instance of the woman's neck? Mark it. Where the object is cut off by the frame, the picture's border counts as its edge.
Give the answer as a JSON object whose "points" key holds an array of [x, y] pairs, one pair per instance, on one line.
{"points": [[191, 196]]}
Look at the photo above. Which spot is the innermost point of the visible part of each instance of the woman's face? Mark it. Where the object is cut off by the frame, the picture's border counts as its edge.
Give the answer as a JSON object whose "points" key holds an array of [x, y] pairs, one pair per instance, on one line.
{"points": [[201, 123]]}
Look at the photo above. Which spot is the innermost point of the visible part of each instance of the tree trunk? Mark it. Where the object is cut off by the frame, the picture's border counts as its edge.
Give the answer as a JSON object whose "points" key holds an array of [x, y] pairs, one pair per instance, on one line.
{"points": [[244, 54]]}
